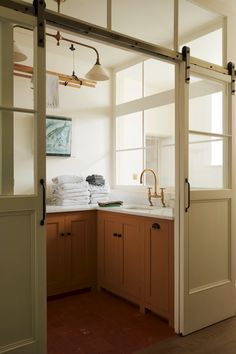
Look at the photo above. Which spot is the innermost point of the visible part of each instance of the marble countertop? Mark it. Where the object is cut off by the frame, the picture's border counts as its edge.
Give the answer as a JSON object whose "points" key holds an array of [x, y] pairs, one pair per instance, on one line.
{"points": [[132, 209]]}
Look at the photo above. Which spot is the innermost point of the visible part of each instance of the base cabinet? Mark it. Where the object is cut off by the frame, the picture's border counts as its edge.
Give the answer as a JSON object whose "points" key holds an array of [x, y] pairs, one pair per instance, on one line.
{"points": [[120, 263], [71, 251], [135, 260], [159, 268]]}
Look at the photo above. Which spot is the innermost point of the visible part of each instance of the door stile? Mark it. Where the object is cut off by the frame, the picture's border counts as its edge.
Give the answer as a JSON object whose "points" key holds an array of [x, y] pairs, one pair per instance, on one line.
{"points": [[39, 175], [183, 174]]}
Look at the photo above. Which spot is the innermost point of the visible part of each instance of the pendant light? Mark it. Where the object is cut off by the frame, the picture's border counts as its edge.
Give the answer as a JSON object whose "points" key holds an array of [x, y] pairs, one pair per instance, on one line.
{"points": [[97, 73], [18, 55]]}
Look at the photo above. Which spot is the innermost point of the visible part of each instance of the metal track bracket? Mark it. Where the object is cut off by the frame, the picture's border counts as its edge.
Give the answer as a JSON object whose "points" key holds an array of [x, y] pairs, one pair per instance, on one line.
{"points": [[186, 58], [39, 7], [231, 70]]}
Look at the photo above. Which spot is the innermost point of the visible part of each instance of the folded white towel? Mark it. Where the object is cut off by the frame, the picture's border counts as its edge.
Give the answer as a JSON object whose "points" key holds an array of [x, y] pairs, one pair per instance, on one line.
{"points": [[94, 189], [72, 198], [95, 200], [70, 194], [72, 203], [52, 91], [99, 195], [68, 179]]}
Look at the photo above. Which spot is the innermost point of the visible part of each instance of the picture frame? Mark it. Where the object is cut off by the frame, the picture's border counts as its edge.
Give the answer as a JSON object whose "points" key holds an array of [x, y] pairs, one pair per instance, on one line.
{"points": [[58, 136]]}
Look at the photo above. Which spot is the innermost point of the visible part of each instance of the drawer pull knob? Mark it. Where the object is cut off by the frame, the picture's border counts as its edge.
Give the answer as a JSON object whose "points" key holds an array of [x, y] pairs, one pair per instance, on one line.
{"points": [[62, 234], [115, 234], [156, 226], [119, 235], [68, 233]]}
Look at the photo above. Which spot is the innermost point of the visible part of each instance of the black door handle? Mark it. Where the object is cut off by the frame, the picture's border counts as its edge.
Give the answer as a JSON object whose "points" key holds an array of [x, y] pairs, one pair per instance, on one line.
{"points": [[156, 226], [188, 206], [44, 201]]}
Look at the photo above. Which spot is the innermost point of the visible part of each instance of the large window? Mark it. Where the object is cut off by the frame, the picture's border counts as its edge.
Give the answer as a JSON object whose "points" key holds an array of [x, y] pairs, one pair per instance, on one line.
{"points": [[145, 122]]}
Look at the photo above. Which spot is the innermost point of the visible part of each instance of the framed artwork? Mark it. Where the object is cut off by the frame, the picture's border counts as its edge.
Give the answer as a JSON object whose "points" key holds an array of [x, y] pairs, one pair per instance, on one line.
{"points": [[58, 136]]}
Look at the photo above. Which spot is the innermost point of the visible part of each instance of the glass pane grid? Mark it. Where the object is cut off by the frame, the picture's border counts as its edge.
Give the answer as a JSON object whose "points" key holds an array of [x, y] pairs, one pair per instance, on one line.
{"points": [[19, 161], [208, 156]]}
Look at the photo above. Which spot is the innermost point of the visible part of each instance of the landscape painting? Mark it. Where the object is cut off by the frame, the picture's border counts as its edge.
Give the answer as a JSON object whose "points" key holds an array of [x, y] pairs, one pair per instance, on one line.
{"points": [[58, 136]]}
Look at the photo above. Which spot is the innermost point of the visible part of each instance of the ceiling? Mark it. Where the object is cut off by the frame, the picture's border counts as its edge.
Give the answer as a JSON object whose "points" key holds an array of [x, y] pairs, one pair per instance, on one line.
{"points": [[152, 23]]}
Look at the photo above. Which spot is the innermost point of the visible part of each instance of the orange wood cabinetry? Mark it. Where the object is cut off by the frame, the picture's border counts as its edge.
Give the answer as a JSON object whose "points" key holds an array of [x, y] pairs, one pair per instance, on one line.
{"points": [[159, 266], [120, 249], [71, 251], [135, 260], [56, 253]]}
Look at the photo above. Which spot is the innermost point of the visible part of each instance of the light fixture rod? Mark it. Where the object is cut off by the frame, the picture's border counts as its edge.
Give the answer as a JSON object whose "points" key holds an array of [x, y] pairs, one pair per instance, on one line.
{"points": [[75, 42], [58, 38]]}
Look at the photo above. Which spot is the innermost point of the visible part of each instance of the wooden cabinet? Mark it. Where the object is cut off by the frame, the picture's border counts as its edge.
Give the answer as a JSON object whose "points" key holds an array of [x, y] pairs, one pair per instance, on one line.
{"points": [[135, 260], [159, 266], [135, 257], [56, 253], [71, 251], [120, 246]]}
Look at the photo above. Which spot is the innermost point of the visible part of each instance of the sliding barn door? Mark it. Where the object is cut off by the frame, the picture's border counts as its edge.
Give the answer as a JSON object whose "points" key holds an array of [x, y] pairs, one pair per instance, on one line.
{"points": [[207, 240], [22, 234]]}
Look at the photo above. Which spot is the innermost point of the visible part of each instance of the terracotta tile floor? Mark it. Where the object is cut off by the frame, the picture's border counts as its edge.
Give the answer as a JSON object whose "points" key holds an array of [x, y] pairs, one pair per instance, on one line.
{"points": [[101, 323]]}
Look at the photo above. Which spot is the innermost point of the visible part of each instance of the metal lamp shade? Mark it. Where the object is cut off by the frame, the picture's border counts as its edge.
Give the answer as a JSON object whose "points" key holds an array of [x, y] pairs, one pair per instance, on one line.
{"points": [[97, 73], [18, 55]]}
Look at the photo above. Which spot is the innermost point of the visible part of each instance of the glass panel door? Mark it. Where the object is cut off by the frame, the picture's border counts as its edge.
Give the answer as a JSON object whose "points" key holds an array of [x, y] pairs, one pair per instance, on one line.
{"points": [[207, 238], [22, 166]]}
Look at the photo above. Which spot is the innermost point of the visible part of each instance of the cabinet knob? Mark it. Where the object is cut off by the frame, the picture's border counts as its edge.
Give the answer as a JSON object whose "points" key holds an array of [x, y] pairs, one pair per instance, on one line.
{"points": [[119, 235], [115, 234], [68, 233], [62, 234], [156, 226]]}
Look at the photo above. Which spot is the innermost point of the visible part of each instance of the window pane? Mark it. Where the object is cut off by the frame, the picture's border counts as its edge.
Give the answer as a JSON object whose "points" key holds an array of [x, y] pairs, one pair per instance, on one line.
{"points": [[213, 41], [158, 77], [129, 84], [17, 156], [159, 132], [206, 106], [206, 161], [23, 82], [129, 131], [129, 165], [150, 20], [196, 30], [16, 51], [93, 11], [23, 153]]}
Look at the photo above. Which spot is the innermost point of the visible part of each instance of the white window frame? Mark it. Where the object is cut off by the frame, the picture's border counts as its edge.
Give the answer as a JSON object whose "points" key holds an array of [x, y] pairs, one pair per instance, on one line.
{"points": [[138, 105]]}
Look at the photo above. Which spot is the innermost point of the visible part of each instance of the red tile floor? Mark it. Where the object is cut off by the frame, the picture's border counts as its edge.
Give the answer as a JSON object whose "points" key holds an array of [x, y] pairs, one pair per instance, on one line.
{"points": [[101, 323]]}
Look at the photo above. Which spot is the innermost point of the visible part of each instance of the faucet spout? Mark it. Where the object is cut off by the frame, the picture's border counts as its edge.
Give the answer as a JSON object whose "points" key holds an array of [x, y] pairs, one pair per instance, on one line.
{"points": [[154, 195], [154, 175]]}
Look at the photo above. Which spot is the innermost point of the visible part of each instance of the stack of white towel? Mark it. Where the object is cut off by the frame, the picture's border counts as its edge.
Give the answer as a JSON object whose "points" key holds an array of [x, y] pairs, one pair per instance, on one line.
{"points": [[70, 190], [99, 193]]}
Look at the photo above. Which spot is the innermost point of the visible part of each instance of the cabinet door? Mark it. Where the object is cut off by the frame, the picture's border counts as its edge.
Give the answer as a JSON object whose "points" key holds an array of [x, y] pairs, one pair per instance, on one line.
{"points": [[158, 267], [113, 254], [56, 256], [81, 231], [133, 257]]}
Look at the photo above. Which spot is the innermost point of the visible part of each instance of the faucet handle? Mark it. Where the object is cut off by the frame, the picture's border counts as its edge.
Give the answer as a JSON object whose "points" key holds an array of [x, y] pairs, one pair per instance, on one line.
{"points": [[163, 197], [150, 196]]}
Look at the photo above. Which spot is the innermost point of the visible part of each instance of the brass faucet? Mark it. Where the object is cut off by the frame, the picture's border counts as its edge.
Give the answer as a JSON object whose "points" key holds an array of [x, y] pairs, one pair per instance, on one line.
{"points": [[154, 195]]}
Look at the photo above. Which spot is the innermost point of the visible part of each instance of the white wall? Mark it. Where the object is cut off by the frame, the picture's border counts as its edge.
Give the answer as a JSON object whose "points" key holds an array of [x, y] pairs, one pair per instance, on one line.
{"points": [[90, 110]]}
